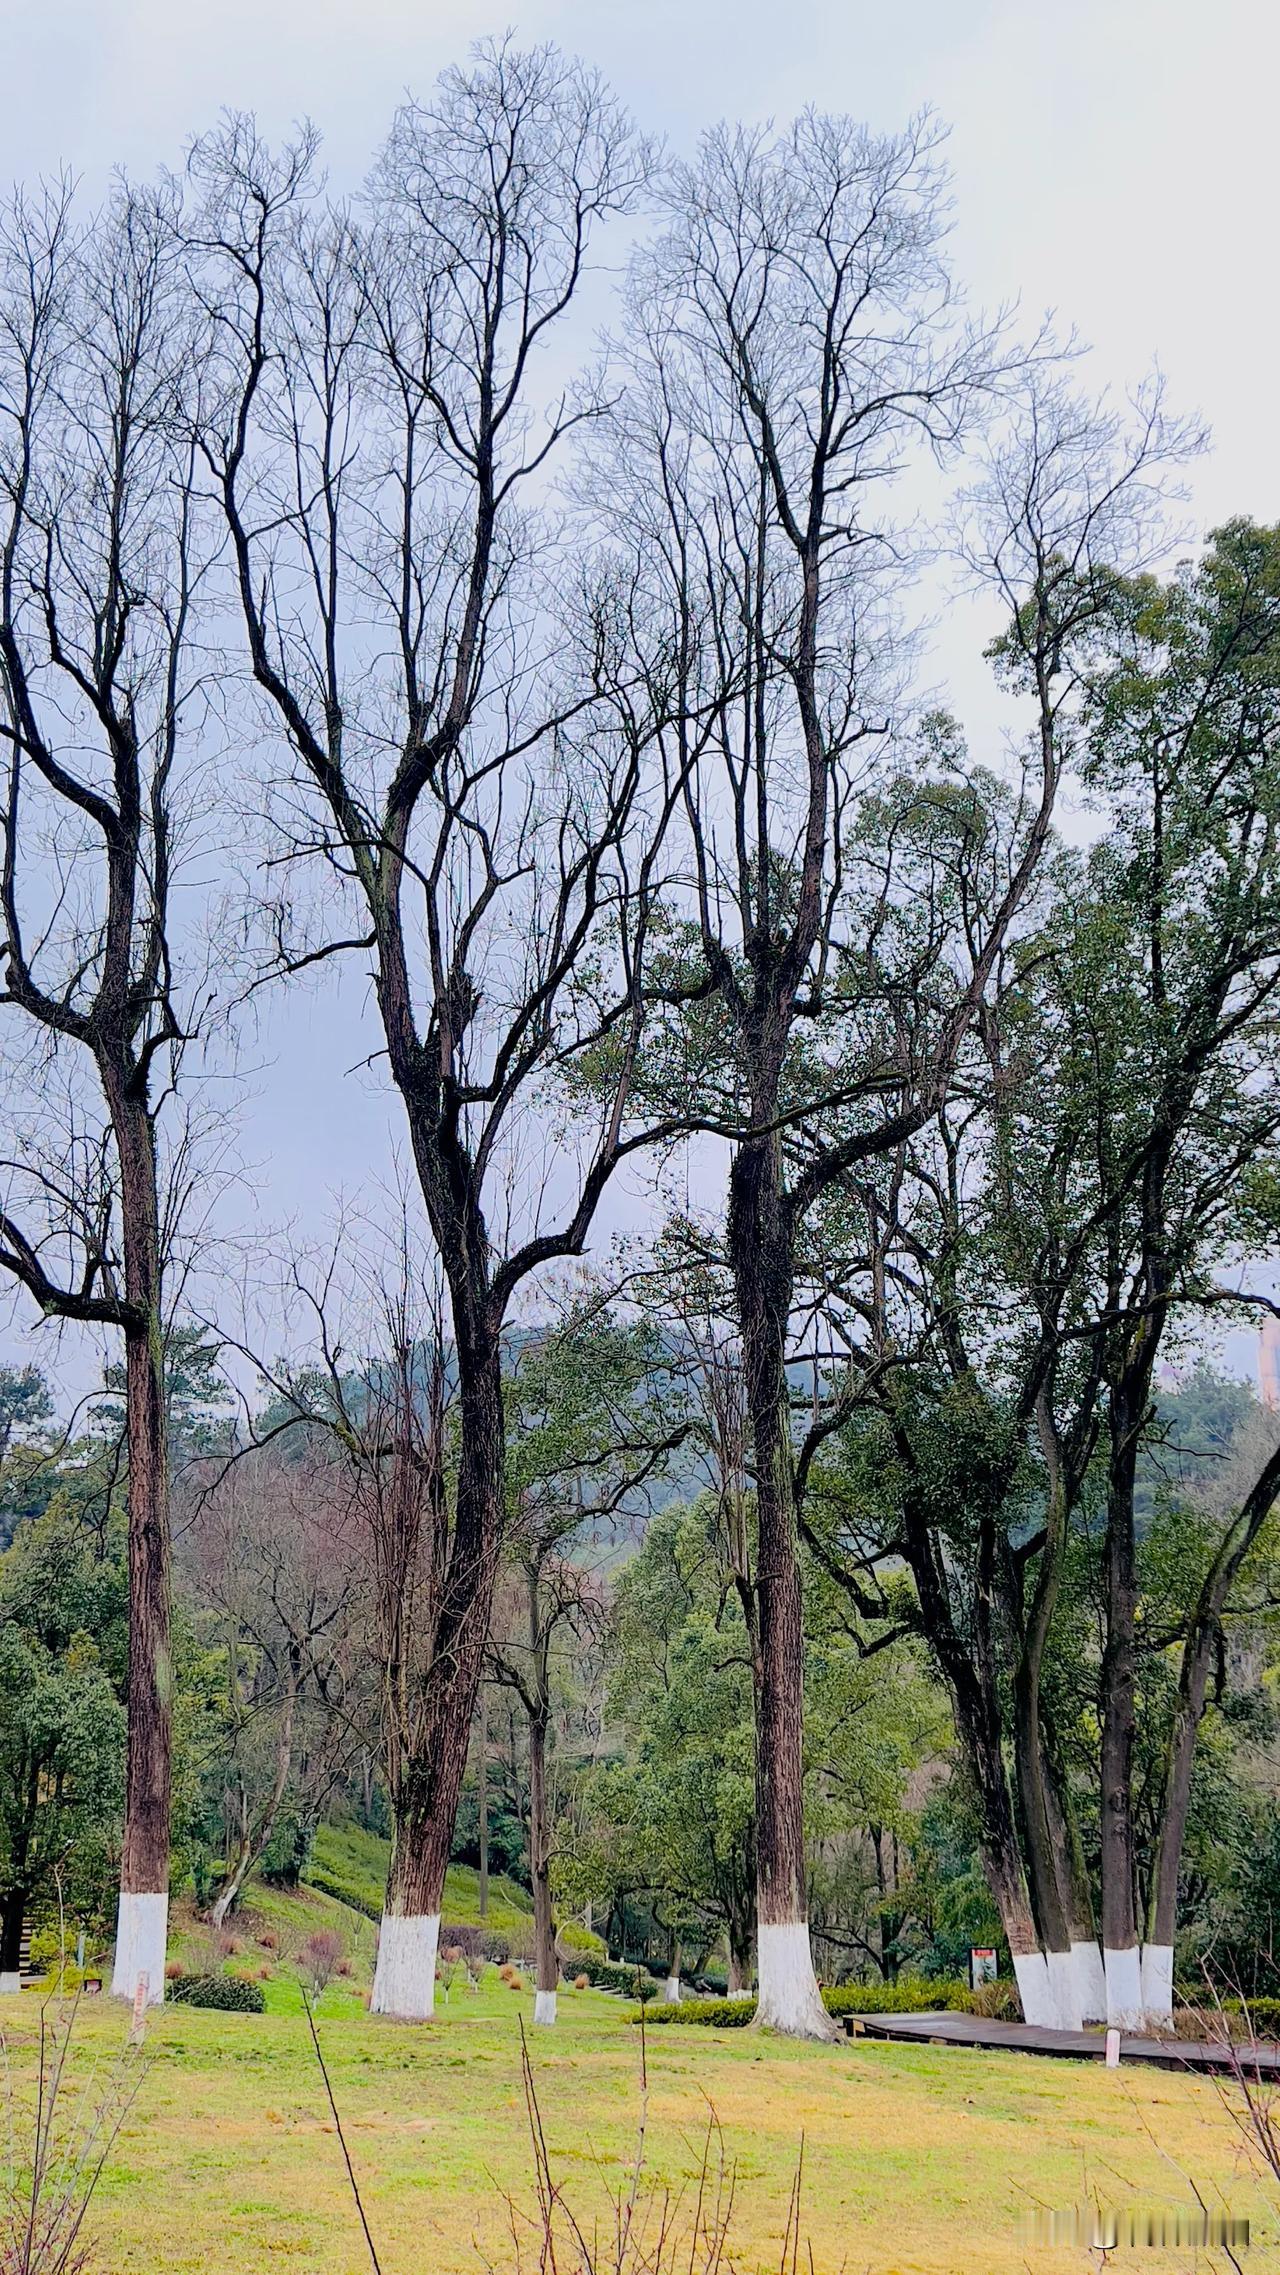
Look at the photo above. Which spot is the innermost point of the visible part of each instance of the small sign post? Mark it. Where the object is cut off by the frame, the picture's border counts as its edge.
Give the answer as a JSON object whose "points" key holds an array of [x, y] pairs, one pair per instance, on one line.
{"points": [[982, 1967]]}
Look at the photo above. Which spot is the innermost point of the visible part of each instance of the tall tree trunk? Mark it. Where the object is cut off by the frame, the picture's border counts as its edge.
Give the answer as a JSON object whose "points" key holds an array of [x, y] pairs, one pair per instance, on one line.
{"points": [[1042, 1856], [430, 1779], [967, 1665], [142, 1919], [548, 1972], [1175, 1803], [1041, 1818], [13, 1905], [760, 1252], [1003, 1870], [482, 1801], [1072, 1979], [1073, 1884], [1193, 1683], [1120, 1954]]}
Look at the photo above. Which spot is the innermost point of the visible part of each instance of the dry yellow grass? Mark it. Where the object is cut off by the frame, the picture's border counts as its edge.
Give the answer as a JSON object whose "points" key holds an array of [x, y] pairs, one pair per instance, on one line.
{"points": [[922, 2160]]}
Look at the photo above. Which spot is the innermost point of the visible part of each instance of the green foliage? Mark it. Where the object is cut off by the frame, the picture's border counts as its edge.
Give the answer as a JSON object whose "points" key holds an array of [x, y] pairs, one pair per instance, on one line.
{"points": [[1262, 2014], [230, 1994], [62, 1616], [678, 1813], [709, 2014], [197, 1398], [909, 1995], [287, 1855], [609, 1975], [28, 1475]]}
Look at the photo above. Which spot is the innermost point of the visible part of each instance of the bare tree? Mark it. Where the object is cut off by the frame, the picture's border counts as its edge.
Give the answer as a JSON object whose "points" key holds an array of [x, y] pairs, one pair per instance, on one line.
{"points": [[793, 335], [99, 565], [275, 1557], [442, 674], [367, 1409]]}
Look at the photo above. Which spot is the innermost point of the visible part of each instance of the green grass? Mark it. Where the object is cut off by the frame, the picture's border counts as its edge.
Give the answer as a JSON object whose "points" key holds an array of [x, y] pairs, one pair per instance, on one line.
{"points": [[919, 2160], [272, 1925], [356, 1862]]}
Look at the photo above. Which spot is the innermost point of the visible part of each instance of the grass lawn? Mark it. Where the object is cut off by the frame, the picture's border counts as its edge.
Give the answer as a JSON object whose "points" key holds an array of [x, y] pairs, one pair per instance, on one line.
{"points": [[916, 2159]]}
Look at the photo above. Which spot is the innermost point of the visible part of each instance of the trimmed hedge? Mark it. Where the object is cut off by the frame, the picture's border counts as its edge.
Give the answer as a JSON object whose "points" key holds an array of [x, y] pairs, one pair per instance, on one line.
{"points": [[607, 1975], [231, 1994], [905, 1997], [909, 1995], [347, 1892], [712, 2014]]}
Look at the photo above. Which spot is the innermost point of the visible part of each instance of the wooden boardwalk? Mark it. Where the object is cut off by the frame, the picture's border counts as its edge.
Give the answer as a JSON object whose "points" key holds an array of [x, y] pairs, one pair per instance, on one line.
{"points": [[1075, 2045]]}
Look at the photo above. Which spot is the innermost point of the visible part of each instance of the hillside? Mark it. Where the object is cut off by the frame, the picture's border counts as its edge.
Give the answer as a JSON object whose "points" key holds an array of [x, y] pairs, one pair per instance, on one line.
{"points": [[351, 1865]]}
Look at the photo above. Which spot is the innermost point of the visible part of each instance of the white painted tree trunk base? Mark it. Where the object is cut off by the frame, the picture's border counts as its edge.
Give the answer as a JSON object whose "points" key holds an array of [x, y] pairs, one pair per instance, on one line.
{"points": [[10, 1982], [789, 1999], [1157, 1985], [142, 1929], [1031, 1973], [1064, 1989], [404, 1980], [544, 2007], [671, 1991], [1091, 1981], [1123, 1970]]}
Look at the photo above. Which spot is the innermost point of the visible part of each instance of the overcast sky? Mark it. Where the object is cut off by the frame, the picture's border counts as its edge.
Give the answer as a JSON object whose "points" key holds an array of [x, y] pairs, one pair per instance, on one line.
{"points": [[1113, 159]]}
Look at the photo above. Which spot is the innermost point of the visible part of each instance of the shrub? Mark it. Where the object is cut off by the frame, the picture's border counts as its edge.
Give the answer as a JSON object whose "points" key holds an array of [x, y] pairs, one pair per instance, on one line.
{"points": [[477, 1944], [320, 1957], [626, 1982], [230, 1994], [46, 1948], [998, 2001], [66, 1979], [909, 1995], [1236, 2020], [712, 2014]]}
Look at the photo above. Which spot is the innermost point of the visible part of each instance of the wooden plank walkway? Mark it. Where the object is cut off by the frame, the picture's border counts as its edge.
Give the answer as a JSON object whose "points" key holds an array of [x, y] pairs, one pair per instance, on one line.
{"points": [[1076, 2045]]}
